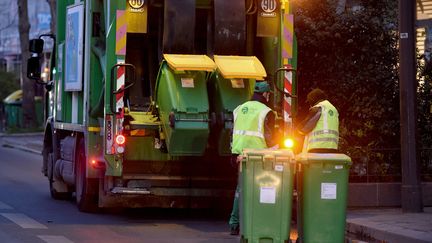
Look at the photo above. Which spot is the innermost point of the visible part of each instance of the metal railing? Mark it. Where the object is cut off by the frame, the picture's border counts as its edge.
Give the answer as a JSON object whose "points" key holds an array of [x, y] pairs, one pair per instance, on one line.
{"points": [[384, 165]]}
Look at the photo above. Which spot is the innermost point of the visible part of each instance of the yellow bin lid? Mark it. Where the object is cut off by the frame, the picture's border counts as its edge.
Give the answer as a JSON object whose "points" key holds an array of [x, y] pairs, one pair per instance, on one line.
{"points": [[17, 96], [13, 97], [277, 154], [240, 67], [179, 62], [307, 158]]}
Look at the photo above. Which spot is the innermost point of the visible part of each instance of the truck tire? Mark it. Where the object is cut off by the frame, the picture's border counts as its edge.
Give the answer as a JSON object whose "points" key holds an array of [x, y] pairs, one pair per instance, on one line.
{"points": [[50, 174], [86, 189]]}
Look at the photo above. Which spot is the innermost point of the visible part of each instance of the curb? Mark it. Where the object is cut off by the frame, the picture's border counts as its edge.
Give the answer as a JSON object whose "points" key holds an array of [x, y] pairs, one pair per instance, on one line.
{"points": [[372, 233], [5, 135], [28, 142], [23, 148]]}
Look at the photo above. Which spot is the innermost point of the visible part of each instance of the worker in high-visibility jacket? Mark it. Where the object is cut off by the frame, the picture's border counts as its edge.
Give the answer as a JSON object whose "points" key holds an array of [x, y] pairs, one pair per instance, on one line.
{"points": [[253, 129], [321, 125]]}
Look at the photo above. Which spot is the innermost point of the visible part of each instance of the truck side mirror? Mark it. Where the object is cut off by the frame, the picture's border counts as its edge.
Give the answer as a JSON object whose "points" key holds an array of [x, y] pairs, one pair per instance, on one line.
{"points": [[34, 68], [36, 46]]}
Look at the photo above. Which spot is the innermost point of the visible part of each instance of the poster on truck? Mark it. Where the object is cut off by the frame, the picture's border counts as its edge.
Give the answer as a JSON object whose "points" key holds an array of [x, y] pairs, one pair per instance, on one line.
{"points": [[74, 48]]}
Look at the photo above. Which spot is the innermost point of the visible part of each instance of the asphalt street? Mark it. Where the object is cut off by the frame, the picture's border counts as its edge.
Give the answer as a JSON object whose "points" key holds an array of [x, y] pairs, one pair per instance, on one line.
{"points": [[28, 214], [25, 192]]}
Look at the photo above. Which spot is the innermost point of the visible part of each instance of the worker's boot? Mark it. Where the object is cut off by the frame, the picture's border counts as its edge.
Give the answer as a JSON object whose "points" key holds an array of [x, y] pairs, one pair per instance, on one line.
{"points": [[234, 230]]}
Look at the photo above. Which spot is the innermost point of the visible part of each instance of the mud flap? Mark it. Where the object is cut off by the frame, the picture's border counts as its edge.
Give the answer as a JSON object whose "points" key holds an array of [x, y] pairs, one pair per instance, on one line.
{"points": [[179, 27], [230, 27]]}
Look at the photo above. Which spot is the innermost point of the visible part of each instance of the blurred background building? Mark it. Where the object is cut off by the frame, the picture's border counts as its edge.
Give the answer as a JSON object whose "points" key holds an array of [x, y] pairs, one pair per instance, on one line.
{"points": [[10, 50]]}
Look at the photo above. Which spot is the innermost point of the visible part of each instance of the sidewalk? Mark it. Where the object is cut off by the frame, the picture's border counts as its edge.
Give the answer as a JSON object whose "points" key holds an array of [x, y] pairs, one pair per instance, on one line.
{"points": [[384, 225], [30, 142], [390, 225]]}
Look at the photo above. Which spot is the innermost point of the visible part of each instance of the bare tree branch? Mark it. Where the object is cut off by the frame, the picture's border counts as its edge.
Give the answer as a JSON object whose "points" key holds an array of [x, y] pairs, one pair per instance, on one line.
{"points": [[53, 11], [11, 18]]}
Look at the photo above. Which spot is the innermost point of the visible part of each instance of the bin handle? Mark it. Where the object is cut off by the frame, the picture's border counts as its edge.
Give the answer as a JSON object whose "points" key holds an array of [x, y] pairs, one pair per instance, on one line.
{"points": [[114, 92], [266, 163], [284, 69]]}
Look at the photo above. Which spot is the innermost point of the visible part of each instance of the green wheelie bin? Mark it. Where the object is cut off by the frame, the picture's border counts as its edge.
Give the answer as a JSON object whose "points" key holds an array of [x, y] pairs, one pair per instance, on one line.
{"points": [[13, 109], [266, 186], [322, 197]]}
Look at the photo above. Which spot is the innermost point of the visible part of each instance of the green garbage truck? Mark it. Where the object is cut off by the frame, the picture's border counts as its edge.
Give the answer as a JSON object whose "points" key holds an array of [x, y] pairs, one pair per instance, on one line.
{"points": [[141, 94]]}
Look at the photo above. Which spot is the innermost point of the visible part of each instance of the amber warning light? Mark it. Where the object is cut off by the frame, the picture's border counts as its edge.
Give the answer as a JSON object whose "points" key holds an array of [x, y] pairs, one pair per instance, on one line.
{"points": [[289, 143]]}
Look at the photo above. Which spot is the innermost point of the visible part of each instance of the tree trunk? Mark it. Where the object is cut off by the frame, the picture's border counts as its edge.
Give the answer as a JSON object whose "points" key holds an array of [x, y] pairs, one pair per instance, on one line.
{"points": [[53, 10], [27, 85]]}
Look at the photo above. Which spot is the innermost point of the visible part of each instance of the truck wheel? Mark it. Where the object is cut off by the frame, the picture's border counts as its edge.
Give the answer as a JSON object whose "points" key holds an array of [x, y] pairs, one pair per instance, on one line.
{"points": [[86, 189], [53, 184]]}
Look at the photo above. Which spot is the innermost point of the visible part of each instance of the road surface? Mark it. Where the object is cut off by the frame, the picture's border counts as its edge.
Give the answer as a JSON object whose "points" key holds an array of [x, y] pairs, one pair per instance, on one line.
{"points": [[29, 214]]}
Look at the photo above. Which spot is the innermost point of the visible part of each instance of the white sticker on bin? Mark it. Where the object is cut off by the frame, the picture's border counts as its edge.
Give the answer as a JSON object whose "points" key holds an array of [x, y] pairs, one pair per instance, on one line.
{"points": [[187, 82], [338, 167], [279, 168], [328, 190], [268, 195], [237, 83]]}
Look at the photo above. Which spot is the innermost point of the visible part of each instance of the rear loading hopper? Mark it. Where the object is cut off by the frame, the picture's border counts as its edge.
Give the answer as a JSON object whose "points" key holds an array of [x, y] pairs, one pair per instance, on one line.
{"points": [[182, 101]]}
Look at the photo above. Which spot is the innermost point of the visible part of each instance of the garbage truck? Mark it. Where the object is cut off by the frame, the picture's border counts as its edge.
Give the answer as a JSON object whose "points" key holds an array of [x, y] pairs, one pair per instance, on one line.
{"points": [[140, 95]]}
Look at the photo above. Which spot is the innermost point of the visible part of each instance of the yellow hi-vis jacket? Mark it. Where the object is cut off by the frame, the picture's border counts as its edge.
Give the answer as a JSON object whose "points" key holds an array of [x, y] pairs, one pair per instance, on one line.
{"points": [[248, 129], [325, 135]]}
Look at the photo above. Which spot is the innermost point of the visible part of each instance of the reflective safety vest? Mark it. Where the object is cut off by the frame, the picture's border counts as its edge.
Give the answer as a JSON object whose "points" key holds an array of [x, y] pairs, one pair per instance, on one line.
{"points": [[325, 135], [248, 129]]}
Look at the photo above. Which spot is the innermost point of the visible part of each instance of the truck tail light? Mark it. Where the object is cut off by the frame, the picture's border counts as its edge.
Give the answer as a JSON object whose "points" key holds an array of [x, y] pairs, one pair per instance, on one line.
{"points": [[120, 139], [97, 163]]}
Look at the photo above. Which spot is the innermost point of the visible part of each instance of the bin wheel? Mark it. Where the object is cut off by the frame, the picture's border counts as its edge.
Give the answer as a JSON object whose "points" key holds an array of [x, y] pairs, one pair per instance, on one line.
{"points": [[86, 189]]}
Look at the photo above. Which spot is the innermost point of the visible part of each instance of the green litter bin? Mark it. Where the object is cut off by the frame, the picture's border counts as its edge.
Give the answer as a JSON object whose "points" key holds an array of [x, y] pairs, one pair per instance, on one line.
{"points": [[13, 109], [266, 186], [14, 112], [322, 197]]}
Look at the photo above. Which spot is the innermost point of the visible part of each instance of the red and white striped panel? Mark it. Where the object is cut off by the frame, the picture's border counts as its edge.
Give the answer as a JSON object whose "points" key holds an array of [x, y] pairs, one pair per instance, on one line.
{"points": [[287, 100], [120, 85], [121, 72]]}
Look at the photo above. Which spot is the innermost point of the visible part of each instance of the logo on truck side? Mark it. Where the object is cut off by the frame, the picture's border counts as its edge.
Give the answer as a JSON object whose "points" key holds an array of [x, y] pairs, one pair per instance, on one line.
{"points": [[136, 3], [268, 8]]}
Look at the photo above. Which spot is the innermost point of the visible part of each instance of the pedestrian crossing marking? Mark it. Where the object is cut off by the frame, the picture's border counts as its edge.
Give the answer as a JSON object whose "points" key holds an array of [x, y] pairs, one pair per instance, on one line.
{"points": [[4, 206], [54, 239], [23, 221]]}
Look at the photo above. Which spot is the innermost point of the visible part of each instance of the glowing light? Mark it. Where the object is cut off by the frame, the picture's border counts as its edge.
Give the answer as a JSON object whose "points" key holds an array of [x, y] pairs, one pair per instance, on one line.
{"points": [[120, 150], [289, 143], [120, 139], [97, 164]]}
